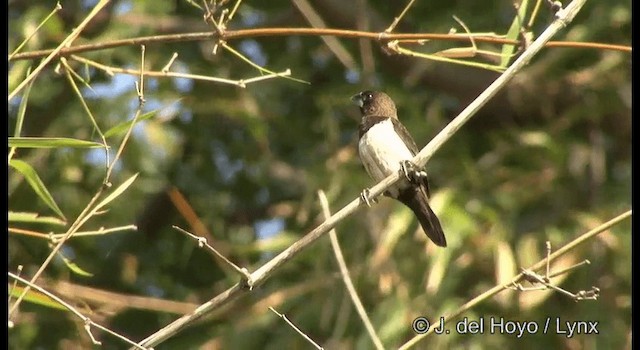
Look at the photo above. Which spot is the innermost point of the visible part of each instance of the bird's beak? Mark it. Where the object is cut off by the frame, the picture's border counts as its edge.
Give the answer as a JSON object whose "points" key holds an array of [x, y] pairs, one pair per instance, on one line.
{"points": [[357, 99]]}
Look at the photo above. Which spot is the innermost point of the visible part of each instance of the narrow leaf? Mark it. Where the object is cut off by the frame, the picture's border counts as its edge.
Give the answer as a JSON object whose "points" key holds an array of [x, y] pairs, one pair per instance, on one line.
{"points": [[38, 186], [118, 191], [34, 217], [75, 268], [36, 297], [22, 109], [124, 126], [51, 142], [514, 33]]}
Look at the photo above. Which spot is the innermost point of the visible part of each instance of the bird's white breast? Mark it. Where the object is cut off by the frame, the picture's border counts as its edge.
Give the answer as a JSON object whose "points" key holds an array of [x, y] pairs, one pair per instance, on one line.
{"points": [[381, 150]]}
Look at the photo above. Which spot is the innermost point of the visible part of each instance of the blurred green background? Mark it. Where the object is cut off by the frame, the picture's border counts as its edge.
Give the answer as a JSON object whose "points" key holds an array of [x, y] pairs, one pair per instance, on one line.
{"points": [[547, 159]]}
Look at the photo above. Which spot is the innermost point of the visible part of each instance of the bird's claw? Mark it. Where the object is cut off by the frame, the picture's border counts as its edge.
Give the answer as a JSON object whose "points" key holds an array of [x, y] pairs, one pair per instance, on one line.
{"points": [[409, 170], [366, 197]]}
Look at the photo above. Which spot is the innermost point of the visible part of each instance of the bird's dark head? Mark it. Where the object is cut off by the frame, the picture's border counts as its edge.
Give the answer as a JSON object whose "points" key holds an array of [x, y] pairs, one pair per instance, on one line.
{"points": [[375, 104]]}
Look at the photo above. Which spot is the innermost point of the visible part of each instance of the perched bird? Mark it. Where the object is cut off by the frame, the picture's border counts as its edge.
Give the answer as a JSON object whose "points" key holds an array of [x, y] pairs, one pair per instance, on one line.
{"points": [[385, 146]]}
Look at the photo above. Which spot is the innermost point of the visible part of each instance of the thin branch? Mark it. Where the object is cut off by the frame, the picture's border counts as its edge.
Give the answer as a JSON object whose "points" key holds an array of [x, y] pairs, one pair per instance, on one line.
{"points": [[336, 47], [257, 66], [89, 211], [240, 83], [233, 10], [166, 67], [85, 106], [202, 242], [346, 278], [230, 35], [140, 90], [540, 264], [125, 139], [306, 337], [65, 43], [255, 33], [397, 19], [57, 8], [102, 231], [267, 270], [15, 283], [88, 322], [588, 45], [572, 267]]}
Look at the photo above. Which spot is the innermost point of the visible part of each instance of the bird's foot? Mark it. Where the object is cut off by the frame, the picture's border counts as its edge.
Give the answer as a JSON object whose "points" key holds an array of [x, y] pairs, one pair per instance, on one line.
{"points": [[411, 172], [365, 196]]}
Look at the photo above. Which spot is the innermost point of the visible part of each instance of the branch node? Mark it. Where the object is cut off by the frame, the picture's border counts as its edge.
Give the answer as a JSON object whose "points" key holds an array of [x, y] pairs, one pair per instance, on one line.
{"points": [[87, 328], [165, 69], [246, 281]]}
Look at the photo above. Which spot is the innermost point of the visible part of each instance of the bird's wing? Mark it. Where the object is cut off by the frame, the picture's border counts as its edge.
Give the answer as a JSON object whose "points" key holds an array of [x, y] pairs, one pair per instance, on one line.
{"points": [[404, 134], [413, 148]]}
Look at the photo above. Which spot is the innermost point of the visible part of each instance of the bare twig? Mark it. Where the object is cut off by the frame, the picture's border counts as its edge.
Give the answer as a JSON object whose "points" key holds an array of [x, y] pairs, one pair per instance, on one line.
{"points": [[87, 321], [314, 19], [165, 69], [90, 210], [230, 35], [572, 267], [509, 285], [202, 242], [346, 278], [240, 83], [65, 43], [257, 66], [74, 86], [265, 271], [397, 19], [57, 8], [140, 90], [296, 329], [581, 295]]}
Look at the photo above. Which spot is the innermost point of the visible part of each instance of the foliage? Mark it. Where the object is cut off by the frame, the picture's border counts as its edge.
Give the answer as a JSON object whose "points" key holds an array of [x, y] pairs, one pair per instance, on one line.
{"points": [[546, 160]]}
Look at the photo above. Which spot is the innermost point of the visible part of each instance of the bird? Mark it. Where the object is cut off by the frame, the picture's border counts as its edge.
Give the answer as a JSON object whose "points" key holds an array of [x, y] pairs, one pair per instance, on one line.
{"points": [[385, 146]]}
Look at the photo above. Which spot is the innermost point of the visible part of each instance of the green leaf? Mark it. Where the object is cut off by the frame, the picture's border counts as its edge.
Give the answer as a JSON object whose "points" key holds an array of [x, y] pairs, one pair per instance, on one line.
{"points": [[34, 217], [118, 191], [51, 142], [33, 296], [513, 34], [22, 109], [124, 126], [38, 186], [74, 268]]}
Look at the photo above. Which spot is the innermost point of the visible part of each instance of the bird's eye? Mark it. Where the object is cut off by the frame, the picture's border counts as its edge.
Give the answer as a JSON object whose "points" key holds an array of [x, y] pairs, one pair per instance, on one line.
{"points": [[368, 96]]}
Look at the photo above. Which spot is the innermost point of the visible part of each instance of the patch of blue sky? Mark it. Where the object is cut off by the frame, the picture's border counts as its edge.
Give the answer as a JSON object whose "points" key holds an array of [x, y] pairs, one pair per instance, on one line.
{"points": [[123, 7], [226, 166], [251, 17], [183, 85], [96, 157], [118, 85], [266, 229]]}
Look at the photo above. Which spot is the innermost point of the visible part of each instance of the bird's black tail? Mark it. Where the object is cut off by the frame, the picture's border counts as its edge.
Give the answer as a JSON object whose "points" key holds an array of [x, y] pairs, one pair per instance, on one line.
{"points": [[416, 198]]}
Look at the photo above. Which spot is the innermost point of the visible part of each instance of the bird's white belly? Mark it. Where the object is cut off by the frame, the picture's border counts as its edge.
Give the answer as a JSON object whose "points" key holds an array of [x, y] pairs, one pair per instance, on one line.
{"points": [[381, 150]]}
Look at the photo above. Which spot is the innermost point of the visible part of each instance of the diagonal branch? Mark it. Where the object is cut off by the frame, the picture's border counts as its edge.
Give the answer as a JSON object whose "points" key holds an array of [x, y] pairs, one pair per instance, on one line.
{"points": [[65, 43], [540, 264], [346, 278], [267, 270]]}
